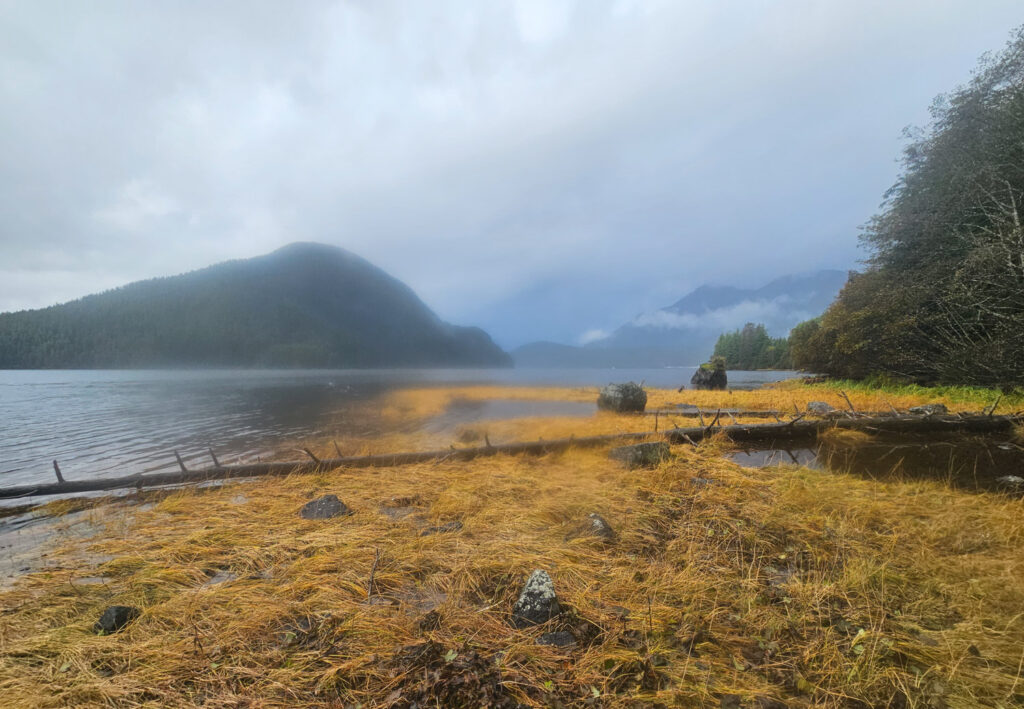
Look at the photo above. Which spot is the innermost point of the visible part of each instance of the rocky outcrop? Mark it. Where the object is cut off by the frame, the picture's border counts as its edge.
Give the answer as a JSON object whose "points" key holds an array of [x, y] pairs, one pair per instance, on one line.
{"points": [[114, 618], [324, 508], [622, 398], [538, 602], [710, 375], [641, 455]]}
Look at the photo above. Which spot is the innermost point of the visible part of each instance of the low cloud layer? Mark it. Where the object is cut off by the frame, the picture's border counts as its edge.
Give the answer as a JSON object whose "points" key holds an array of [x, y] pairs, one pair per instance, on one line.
{"points": [[777, 314], [541, 168]]}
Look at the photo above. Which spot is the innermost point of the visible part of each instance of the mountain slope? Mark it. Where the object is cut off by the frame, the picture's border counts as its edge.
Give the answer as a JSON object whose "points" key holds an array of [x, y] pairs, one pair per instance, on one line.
{"points": [[685, 332], [303, 305]]}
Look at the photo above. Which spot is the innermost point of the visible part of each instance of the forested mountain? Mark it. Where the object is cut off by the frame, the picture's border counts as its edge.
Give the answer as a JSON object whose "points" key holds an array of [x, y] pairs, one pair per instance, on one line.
{"points": [[943, 297], [685, 332], [753, 348], [306, 304]]}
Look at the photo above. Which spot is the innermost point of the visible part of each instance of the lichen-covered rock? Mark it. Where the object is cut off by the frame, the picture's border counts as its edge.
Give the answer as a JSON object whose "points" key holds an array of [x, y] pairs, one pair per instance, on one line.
{"points": [[820, 408], [538, 602], [928, 409], [622, 398], [710, 375], [598, 526], [324, 508], [114, 618], [641, 455]]}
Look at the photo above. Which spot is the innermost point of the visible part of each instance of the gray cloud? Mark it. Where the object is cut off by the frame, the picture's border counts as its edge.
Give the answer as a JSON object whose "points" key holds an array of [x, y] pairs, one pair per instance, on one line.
{"points": [[543, 168]]}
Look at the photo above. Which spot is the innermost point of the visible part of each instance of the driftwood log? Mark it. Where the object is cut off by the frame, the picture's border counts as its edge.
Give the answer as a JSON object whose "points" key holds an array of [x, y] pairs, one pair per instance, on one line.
{"points": [[800, 429], [796, 429]]}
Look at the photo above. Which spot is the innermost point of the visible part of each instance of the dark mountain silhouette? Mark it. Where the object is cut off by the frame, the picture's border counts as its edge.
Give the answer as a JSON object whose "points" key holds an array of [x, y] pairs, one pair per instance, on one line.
{"points": [[685, 332], [306, 304]]}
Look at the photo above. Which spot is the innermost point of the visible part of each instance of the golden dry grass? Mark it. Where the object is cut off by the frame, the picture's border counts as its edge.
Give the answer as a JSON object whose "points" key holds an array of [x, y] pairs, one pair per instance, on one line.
{"points": [[804, 587], [400, 416]]}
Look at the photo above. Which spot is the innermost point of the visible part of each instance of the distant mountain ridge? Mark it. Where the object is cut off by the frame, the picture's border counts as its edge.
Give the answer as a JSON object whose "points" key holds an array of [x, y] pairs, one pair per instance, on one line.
{"points": [[306, 304], [685, 332]]}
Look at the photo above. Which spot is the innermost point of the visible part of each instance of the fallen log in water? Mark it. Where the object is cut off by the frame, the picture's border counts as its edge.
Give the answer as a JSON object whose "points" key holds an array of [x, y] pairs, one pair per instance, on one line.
{"points": [[249, 470], [741, 433], [797, 429]]}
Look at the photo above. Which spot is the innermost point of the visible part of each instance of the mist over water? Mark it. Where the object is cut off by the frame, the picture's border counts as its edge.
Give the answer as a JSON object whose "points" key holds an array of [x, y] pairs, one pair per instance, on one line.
{"points": [[112, 423]]}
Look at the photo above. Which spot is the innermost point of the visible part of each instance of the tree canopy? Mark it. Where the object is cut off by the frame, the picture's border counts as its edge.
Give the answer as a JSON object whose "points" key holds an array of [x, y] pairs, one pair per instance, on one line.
{"points": [[753, 348], [942, 297]]}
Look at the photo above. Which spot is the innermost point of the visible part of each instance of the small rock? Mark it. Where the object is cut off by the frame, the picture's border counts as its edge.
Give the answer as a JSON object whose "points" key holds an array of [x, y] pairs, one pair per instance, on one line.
{"points": [[324, 508], [537, 603], [1011, 483], [622, 398], [114, 618], [594, 526], [642, 454], [599, 526], [710, 375], [703, 482], [928, 409], [560, 638], [820, 407], [442, 528]]}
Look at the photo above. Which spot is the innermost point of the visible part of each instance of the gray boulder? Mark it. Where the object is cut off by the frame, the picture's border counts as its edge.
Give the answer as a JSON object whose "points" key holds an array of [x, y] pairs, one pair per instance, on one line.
{"points": [[622, 398], [820, 408], [928, 409], [538, 602], [324, 508], [641, 455], [114, 618]]}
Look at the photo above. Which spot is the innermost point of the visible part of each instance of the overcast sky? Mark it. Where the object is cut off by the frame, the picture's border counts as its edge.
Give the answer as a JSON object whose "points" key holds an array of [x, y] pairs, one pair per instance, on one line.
{"points": [[541, 169]]}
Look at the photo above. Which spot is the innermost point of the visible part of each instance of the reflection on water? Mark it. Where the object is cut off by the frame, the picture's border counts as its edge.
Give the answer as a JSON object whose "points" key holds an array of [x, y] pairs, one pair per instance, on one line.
{"points": [[121, 422], [974, 463]]}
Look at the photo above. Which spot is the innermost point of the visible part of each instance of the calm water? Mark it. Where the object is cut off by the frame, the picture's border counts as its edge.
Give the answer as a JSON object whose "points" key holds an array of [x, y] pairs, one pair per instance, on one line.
{"points": [[119, 422], [968, 462]]}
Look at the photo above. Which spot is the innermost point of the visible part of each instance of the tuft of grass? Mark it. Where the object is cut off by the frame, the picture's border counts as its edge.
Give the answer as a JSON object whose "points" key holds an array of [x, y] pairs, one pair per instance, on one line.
{"points": [[844, 437], [956, 397]]}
